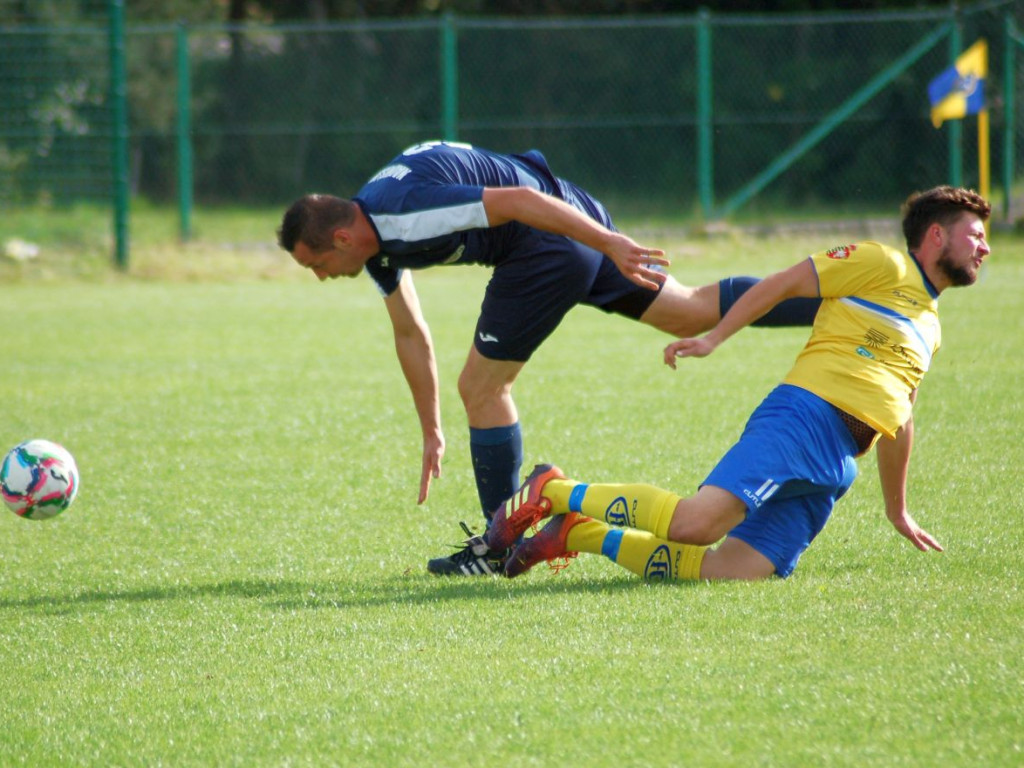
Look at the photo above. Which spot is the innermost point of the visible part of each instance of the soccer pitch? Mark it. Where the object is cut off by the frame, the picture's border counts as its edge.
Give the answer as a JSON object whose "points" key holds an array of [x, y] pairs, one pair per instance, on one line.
{"points": [[241, 580]]}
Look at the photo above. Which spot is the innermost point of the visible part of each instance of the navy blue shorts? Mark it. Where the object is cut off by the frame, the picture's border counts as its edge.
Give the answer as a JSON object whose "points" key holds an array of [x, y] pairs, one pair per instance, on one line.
{"points": [[794, 460], [538, 282]]}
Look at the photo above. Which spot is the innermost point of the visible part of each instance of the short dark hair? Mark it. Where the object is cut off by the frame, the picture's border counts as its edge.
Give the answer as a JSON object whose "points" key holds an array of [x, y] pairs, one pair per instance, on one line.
{"points": [[939, 205], [312, 219]]}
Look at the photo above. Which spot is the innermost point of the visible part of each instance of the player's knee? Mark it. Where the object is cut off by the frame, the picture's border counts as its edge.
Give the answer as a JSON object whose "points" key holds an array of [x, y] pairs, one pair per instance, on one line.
{"points": [[700, 527], [478, 393], [468, 389], [699, 532]]}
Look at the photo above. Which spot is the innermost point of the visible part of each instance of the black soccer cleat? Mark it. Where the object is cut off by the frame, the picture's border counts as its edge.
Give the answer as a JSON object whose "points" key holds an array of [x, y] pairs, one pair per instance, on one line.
{"points": [[474, 558]]}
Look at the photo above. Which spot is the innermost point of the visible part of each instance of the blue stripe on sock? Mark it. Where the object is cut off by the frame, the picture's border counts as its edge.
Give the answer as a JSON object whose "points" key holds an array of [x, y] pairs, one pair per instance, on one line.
{"points": [[612, 542], [576, 497]]}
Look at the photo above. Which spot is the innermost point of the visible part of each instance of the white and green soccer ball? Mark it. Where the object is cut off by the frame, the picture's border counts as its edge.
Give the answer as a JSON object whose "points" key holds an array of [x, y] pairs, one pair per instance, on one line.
{"points": [[38, 479]]}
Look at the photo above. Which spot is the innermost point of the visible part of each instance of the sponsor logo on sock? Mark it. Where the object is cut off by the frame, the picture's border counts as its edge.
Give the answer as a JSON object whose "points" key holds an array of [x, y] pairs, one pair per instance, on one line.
{"points": [[659, 565], [617, 513]]}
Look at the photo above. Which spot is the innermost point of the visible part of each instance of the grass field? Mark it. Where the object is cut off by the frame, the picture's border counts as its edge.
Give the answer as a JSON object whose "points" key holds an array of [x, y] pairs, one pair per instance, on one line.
{"points": [[241, 580]]}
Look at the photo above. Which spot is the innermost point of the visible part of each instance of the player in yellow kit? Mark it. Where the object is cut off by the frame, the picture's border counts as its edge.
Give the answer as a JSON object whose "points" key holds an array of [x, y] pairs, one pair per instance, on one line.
{"points": [[851, 387]]}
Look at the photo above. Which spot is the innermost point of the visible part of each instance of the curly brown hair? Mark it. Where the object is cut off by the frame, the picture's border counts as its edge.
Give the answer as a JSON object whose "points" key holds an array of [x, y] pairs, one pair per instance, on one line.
{"points": [[939, 205]]}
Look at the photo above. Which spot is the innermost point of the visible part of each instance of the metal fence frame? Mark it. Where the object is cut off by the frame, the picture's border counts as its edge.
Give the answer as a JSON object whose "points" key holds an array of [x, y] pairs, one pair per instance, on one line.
{"points": [[450, 29]]}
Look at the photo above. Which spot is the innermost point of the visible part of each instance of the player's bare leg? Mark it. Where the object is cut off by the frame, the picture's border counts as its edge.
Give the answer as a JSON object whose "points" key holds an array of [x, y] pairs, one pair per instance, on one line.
{"points": [[735, 559], [706, 517], [685, 312], [485, 386], [682, 311]]}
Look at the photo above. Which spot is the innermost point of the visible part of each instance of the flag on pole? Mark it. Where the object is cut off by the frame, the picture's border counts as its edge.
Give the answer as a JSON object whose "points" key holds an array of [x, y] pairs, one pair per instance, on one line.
{"points": [[960, 90]]}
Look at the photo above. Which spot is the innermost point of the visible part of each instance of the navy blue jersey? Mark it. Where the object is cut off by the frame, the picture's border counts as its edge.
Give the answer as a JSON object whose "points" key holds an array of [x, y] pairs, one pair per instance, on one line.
{"points": [[426, 206]]}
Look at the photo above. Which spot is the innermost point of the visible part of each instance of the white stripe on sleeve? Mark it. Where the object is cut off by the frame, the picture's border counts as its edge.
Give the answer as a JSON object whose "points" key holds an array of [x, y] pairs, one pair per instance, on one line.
{"points": [[421, 225]]}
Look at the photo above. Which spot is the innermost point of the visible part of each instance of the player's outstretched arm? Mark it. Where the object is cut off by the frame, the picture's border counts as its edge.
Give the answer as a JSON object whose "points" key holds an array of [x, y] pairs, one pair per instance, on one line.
{"points": [[415, 350], [893, 463], [534, 208], [798, 280]]}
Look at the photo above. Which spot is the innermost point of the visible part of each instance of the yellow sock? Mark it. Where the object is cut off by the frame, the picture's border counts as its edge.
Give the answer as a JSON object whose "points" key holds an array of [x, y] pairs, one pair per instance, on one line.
{"points": [[635, 505], [587, 536], [558, 493], [641, 552], [638, 551]]}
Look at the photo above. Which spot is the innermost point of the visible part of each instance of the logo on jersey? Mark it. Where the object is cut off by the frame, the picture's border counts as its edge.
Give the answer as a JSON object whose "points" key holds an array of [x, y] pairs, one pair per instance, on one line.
{"points": [[762, 494], [617, 513], [865, 353], [841, 252], [875, 338], [909, 299], [659, 565], [426, 146], [397, 171]]}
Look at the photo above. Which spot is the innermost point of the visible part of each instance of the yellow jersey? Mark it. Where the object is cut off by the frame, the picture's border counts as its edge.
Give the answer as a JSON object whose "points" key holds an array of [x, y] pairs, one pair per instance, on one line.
{"points": [[875, 335]]}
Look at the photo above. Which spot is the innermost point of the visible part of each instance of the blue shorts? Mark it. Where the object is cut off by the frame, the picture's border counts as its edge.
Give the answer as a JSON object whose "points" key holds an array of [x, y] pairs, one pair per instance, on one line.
{"points": [[543, 276], [794, 460]]}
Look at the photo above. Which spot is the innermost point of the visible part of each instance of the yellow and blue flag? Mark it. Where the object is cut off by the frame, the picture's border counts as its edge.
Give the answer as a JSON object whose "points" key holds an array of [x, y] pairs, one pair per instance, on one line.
{"points": [[960, 90]]}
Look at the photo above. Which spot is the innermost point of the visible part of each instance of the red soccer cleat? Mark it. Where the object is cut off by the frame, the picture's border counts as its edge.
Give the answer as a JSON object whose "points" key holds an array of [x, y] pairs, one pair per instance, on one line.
{"points": [[548, 544], [524, 509]]}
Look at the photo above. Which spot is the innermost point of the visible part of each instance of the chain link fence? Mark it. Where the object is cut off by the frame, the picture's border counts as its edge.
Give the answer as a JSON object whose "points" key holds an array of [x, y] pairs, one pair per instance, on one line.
{"points": [[55, 120], [680, 116]]}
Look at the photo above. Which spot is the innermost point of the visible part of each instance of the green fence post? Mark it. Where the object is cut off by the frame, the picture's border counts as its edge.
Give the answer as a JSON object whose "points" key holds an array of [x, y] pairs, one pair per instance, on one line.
{"points": [[705, 135], [184, 125], [1010, 112], [449, 77], [119, 144], [956, 128]]}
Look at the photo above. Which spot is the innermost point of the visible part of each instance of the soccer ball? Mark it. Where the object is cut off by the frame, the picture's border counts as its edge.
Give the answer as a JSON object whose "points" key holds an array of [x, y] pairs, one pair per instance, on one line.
{"points": [[38, 479]]}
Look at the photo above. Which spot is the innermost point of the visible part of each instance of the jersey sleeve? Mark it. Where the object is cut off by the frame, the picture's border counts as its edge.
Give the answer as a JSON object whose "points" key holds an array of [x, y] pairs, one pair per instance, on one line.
{"points": [[854, 270], [410, 212], [385, 278]]}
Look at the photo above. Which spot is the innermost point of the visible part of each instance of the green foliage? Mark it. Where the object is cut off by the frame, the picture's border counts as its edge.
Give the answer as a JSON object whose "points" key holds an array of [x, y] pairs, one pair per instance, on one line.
{"points": [[241, 580], [277, 108]]}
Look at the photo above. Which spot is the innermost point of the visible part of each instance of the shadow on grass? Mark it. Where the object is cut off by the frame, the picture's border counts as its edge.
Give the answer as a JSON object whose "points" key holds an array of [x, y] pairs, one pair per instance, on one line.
{"points": [[290, 595]]}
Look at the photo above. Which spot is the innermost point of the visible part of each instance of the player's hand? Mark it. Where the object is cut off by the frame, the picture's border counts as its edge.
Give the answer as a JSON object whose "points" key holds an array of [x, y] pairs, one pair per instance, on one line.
{"points": [[700, 347], [917, 535], [433, 452], [637, 262]]}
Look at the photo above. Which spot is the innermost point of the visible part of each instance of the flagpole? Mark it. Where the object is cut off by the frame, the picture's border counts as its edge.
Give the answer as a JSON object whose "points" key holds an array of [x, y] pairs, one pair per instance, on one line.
{"points": [[955, 126], [983, 153]]}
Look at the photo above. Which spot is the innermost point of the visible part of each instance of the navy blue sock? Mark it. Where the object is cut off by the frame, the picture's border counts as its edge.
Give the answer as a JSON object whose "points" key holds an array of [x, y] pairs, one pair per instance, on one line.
{"points": [[789, 312], [497, 455]]}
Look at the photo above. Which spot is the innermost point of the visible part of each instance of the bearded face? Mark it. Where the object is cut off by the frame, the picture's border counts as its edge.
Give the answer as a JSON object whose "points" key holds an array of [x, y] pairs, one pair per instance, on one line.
{"points": [[958, 274], [963, 250]]}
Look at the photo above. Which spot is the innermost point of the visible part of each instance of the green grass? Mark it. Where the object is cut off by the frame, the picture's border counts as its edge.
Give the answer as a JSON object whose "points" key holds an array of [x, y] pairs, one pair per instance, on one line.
{"points": [[241, 580]]}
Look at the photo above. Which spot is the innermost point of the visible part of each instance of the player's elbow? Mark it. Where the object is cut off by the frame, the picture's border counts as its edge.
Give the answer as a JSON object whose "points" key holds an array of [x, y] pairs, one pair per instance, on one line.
{"points": [[505, 204]]}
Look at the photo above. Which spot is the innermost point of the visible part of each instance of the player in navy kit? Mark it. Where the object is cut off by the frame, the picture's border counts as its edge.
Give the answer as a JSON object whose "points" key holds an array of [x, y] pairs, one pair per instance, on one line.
{"points": [[551, 245]]}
